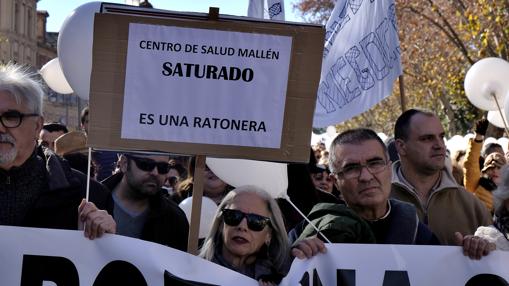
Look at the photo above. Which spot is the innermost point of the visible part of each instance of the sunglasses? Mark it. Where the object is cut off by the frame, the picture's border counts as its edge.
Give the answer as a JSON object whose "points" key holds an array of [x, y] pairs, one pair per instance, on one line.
{"points": [[254, 222], [147, 165]]}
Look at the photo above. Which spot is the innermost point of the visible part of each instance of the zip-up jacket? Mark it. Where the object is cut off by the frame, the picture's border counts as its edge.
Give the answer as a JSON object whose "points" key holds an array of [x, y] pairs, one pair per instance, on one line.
{"points": [[449, 209]]}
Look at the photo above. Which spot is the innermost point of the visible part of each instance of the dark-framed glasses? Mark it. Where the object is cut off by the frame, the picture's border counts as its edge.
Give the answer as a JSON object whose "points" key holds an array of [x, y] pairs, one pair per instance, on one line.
{"points": [[254, 222], [354, 170], [147, 165], [13, 118]]}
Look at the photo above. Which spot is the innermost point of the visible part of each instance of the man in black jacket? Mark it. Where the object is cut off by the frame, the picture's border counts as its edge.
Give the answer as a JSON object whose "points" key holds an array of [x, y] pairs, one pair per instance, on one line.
{"points": [[141, 207], [37, 188]]}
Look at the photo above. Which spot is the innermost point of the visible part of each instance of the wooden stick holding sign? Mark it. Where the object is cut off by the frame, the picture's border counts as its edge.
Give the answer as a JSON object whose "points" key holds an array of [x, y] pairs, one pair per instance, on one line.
{"points": [[194, 226], [199, 171], [221, 113]]}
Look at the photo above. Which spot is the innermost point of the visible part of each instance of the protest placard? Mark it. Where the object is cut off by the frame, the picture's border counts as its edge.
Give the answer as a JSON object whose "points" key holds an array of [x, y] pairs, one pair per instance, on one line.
{"points": [[235, 88]]}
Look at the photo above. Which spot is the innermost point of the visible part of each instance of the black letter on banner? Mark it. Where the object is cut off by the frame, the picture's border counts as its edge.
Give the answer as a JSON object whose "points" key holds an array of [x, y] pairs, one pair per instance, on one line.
{"points": [[304, 281], [172, 280], [38, 268], [396, 278], [316, 279], [486, 279], [120, 273], [345, 277]]}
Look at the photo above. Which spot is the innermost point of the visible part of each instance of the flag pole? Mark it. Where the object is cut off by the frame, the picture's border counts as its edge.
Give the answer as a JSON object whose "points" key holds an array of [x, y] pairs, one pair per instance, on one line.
{"points": [[402, 93]]}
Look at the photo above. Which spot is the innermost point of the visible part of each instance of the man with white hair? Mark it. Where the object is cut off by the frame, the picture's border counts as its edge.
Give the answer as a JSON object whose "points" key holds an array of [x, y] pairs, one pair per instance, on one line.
{"points": [[38, 188]]}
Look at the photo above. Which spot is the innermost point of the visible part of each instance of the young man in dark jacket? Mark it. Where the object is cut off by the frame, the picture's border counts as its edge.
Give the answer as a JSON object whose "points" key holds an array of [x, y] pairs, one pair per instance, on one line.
{"points": [[139, 204]]}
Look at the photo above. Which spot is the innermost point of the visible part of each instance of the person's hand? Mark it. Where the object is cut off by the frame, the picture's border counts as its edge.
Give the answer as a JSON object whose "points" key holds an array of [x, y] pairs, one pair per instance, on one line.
{"points": [[481, 126], [308, 248], [94, 221], [474, 247]]}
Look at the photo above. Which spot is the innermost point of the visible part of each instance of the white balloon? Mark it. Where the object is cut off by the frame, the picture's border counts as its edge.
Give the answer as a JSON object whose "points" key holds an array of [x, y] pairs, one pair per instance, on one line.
{"points": [[489, 140], [315, 138], [457, 142], [270, 176], [495, 118], [468, 136], [486, 78], [52, 74], [331, 132], [74, 47], [382, 136], [504, 142], [505, 110], [208, 212]]}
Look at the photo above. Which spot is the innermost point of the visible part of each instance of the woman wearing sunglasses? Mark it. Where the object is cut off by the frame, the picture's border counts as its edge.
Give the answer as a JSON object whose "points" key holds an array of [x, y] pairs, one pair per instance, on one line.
{"points": [[248, 236]]}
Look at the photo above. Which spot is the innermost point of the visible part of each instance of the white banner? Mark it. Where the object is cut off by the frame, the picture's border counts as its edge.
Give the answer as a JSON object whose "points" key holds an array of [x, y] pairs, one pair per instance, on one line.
{"points": [[30, 253], [255, 8], [205, 86], [37, 255], [361, 60], [396, 265]]}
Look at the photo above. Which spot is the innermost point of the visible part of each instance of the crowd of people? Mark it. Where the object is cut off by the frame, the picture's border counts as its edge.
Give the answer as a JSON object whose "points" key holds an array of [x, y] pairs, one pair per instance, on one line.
{"points": [[360, 190]]}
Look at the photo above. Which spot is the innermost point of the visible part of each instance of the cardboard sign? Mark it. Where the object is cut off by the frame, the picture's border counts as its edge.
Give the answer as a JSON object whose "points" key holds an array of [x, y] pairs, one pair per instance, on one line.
{"points": [[228, 88]]}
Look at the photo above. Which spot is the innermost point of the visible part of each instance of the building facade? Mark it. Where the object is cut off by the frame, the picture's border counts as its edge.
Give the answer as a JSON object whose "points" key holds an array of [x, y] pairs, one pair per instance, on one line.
{"points": [[24, 40], [18, 39]]}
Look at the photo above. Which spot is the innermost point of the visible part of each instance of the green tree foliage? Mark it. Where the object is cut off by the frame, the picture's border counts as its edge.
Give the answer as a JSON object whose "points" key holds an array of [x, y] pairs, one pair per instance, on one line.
{"points": [[440, 40]]}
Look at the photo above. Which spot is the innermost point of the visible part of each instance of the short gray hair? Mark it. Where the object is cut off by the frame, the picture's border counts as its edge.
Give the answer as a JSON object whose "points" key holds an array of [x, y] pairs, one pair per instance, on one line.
{"points": [[352, 136], [21, 83], [279, 248]]}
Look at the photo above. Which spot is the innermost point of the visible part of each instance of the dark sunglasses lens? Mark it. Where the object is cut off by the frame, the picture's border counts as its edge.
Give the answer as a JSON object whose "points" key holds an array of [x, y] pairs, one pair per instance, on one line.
{"points": [[163, 168], [256, 222], [148, 165], [232, 217], [145, 165]]}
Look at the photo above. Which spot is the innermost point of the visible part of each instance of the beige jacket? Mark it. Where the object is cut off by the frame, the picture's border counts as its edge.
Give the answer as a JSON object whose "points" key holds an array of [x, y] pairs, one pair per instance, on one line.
{"points": [[450, 208]]}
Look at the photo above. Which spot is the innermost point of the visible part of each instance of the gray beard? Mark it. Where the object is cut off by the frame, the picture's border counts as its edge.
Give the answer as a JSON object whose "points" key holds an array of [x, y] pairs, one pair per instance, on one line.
{"points": [[9, 156]]}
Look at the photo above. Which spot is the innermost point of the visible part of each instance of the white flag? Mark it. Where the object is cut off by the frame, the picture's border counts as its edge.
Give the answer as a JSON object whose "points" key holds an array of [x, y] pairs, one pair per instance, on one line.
{"points": [[361, 59], [275, 9], [255, 9]]}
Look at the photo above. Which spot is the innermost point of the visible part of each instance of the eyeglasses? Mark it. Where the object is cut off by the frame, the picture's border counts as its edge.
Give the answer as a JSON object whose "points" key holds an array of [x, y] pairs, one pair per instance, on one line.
{"points": [[147, 165], [254, 222], [13, 118], [354, 170]]}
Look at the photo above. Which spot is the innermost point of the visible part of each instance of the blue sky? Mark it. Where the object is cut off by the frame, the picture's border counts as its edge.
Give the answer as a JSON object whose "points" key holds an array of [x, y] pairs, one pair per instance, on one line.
{"points": [[59, 9]]}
